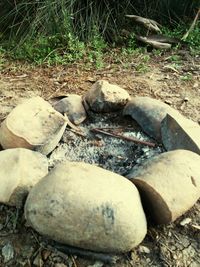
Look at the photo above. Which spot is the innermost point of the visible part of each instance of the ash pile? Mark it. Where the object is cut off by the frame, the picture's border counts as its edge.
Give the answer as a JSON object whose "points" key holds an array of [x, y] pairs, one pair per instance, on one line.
{"points": [[109, 152]]}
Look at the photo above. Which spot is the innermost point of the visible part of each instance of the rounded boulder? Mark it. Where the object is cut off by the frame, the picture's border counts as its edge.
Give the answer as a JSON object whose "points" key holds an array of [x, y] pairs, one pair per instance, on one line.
{"points": [[72, 106], [33, 124], [85, 206], [105, 97], [169, 184], [20, 170]]}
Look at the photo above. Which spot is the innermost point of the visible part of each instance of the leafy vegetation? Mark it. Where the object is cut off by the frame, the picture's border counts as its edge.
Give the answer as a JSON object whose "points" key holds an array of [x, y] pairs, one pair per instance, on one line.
{"points": [[63, 31], [193, 40]]}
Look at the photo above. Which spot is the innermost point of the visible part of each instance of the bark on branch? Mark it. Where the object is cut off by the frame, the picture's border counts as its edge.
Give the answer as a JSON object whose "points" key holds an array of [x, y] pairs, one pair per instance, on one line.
{"points": [[130, 139]]}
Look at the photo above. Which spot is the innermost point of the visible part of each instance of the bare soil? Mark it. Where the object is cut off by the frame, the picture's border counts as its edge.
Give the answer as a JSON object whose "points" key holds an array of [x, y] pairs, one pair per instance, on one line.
{"points": [[177, 84]]}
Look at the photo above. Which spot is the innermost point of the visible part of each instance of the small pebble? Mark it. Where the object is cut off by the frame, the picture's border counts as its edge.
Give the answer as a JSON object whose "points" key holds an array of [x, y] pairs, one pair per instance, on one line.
{"points": [[148, 260], [38, 260], [133, 255], [144, 249], [7, 252], [185, 221], [186, 99], [45, 254], [196, 85], [173, 248]]}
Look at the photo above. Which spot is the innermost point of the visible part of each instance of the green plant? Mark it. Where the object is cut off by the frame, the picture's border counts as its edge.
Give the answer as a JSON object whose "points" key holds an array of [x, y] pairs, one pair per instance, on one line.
{"points": [[174, 59], [186, 77], [192, 41], [157, 52], [95, 49], [132, 42], [27, 18], [60, 50], [142, 68], [50, 31], [145, 58], [50, 50]]}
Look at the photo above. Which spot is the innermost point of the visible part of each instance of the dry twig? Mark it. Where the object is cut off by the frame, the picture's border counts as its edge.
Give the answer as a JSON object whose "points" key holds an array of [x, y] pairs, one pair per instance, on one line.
{"points": [[185, 36], [130, 139], [87, 254], [196, 226], [74, 262], [74, 128]]}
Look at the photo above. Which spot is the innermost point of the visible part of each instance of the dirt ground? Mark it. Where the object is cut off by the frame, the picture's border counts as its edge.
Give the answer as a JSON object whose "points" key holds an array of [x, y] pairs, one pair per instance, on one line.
{"points": [[176, 83]]}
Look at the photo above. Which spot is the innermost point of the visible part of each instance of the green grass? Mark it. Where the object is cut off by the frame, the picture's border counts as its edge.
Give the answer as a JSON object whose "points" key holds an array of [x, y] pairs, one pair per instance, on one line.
{"points": [[192, 41], [65, 31], [28, 18], [59, 50]]}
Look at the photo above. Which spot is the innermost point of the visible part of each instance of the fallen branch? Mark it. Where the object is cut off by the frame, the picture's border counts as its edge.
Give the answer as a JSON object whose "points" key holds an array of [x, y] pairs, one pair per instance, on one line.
{"points": [[170, 68], [185, 36], [155, 44], [149, 24], [87, 254], [78, 133], [130, 139], [118, 129]]}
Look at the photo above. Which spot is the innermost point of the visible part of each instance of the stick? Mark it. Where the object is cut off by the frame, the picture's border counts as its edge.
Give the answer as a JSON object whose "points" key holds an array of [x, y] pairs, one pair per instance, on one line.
{"points": [[73, 127], [87, 254], [196, 226], [185, 36], [131, 139], [116, 128], [78, 133]]}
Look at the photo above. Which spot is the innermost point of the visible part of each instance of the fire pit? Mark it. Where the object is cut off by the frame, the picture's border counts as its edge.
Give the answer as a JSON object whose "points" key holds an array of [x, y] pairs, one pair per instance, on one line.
{"points": [[110, 152], [106, 173]]}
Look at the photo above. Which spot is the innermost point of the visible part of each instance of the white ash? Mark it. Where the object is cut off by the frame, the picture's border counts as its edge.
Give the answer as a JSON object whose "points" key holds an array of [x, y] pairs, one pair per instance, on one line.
{"points": [[110, 153]]}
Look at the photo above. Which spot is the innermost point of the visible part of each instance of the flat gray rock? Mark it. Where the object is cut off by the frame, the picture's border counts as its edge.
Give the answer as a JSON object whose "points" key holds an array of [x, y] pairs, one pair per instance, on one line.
{"points": [[7, 252], [149, 113], [72, 106], [20, 170], [85, 206], [169, 184], [106, 97], [180, 133]]}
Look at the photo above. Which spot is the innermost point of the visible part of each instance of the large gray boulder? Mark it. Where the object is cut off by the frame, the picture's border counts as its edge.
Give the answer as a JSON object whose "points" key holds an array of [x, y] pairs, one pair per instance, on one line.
{"points": [[72, 106], [34, 124], [149, 113], [169, 184], [20, 170], [87, 207], [180, 133], [106, 97]]}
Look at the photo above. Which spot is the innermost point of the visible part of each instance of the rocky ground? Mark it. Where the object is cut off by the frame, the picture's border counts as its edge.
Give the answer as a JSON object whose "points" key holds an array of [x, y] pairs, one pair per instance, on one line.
{"points": [[174, 80]]}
